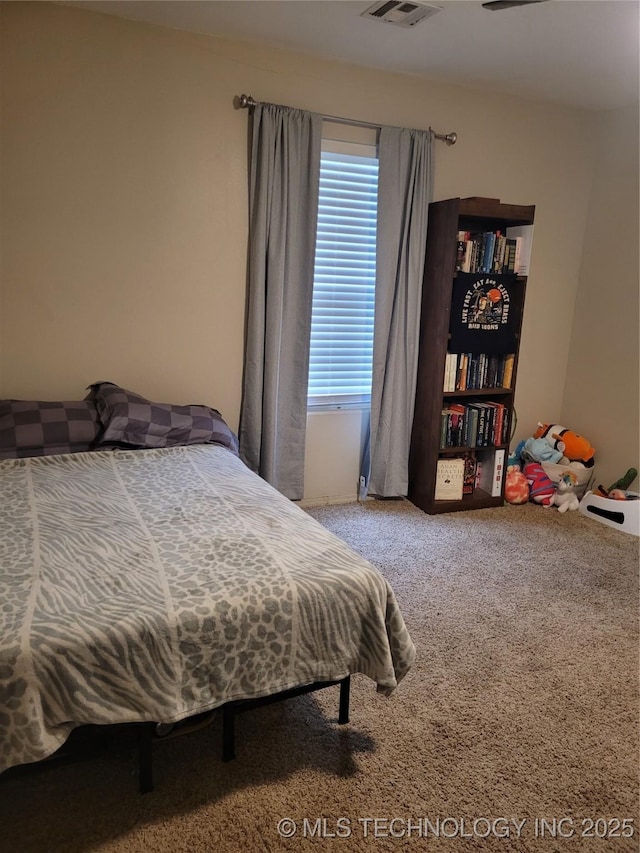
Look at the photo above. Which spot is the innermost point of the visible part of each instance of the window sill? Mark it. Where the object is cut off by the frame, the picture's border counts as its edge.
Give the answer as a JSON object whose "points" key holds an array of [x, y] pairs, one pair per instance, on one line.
{"points": [[337, 407]]}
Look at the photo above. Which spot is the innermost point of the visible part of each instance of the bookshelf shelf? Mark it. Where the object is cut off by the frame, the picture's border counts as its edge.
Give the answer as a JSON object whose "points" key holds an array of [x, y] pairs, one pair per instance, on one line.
{"points": [[459, 449], [454, 323], [479, 392], [478, 500]]}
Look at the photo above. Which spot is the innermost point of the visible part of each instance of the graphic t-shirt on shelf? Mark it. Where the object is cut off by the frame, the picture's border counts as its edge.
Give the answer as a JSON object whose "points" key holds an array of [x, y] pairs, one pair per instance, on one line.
{"points": [[485, 313]]}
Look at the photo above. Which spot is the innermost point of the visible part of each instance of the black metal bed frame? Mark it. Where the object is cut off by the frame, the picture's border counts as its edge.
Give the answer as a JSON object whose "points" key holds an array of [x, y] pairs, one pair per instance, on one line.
{"points": [[146, 731]]}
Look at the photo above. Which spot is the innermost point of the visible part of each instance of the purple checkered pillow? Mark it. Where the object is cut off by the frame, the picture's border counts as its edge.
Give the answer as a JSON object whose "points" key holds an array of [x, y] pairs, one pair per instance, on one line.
{"points": [[40, 428], [132, 421]]}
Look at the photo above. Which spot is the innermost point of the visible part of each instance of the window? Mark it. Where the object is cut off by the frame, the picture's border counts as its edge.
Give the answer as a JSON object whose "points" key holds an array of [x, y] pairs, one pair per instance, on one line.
{"points": [[341, 350]]}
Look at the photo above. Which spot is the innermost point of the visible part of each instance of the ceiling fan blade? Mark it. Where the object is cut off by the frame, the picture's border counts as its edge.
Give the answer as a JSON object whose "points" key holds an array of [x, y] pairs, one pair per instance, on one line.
{"points": [[496, 5]]}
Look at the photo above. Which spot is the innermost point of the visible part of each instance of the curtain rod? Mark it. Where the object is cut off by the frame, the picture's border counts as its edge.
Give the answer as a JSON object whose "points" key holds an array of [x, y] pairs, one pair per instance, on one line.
{"points": [[247, 102]]}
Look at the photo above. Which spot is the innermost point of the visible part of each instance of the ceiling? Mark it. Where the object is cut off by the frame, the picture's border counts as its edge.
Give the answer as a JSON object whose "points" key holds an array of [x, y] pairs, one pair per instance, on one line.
{"points": [[581, 53]]}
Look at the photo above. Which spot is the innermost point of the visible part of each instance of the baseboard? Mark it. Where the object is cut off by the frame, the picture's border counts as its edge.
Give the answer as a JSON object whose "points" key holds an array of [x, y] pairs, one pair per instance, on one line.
{"points": [[326, 501]]}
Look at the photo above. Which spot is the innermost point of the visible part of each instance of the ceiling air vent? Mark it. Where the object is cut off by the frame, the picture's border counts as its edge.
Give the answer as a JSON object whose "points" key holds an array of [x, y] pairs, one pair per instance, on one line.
{"points": [[400, 13]]}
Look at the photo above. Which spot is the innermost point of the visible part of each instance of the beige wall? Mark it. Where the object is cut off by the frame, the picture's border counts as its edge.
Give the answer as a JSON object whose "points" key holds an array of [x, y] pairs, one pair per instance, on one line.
{"points": [[601, 394], [123, 209], [335, 442]]}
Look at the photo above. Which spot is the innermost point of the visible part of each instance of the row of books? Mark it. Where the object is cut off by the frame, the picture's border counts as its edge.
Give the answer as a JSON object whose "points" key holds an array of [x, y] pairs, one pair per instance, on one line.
{"points": [[474, 425], [464, 371], [494, 252], [460, 476]]}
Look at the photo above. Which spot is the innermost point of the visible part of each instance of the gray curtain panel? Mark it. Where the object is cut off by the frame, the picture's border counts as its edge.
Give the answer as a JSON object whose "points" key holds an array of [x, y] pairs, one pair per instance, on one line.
{"points": [[283, 209], [404, 193]]}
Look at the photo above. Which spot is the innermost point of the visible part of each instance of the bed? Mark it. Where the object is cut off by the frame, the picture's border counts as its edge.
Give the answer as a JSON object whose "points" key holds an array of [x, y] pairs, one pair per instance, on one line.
{"points": [[149, 584]]}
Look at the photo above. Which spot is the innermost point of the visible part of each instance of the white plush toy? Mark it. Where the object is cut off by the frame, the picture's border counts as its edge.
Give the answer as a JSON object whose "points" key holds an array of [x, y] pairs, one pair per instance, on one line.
{"points": [[565, 496]]}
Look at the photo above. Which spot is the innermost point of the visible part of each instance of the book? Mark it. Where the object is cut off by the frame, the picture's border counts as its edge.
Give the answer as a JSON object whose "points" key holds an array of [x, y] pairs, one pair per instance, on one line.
{"points": [[469, 477], [492, 416], [461, 378], [491, 474], [468, 248], [498, 259], [449, 479], [523, 234], [452, 426], [498, 472], [499, 423], [505, 437], [472, 429], [509, 256], [489, 247], [444, 422], [478, 473], [457, 414], [492, 371], [462, 248], [482, 439], [450, 370], [507, 375]]}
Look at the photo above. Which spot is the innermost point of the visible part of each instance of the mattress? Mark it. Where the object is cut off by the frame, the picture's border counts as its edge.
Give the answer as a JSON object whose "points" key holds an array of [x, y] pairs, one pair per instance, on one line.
{"points": [[151, 585]]}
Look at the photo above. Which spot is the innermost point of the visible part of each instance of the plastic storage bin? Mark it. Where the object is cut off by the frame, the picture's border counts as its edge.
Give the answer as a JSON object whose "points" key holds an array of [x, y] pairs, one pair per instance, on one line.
{"points": [[623, 515]]}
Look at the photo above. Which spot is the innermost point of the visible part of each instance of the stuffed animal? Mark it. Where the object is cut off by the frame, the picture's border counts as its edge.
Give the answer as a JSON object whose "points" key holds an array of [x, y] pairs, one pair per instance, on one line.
{"points": [[625, 481], [539, 450], [565, 497], [617, 495], [516, 487], [575, 447], [541, 488]]}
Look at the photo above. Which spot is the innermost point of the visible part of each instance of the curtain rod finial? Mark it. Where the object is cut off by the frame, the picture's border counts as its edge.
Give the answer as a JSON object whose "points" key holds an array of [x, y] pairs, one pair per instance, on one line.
{"points": [[449, 138], [241, 102]]}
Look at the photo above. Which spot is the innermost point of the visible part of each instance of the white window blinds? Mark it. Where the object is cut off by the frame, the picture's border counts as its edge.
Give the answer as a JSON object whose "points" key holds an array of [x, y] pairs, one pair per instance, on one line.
{"points": [[344, 277]]}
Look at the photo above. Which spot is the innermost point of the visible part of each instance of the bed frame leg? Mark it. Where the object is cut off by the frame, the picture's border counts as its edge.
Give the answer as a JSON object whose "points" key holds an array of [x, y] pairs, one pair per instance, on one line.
{"points": [[228, 733], [145, 750], [345, 687], [229, 713]]}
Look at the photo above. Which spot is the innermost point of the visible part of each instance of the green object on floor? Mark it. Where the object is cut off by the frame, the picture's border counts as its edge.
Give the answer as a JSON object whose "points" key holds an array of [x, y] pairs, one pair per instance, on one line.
{"points": [[625, 481]]}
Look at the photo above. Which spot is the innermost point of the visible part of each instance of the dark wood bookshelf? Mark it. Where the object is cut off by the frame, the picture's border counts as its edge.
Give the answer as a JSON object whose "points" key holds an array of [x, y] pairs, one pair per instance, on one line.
{"points": [[446, 219]]}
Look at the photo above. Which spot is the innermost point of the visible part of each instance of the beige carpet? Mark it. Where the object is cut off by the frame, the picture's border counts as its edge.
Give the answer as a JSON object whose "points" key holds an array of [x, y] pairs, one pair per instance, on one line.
{"points": [[523, 705]]}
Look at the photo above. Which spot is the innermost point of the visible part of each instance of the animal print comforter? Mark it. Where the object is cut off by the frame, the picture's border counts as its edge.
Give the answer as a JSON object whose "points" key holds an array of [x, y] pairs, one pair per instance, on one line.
{"points": [[157, 584]]}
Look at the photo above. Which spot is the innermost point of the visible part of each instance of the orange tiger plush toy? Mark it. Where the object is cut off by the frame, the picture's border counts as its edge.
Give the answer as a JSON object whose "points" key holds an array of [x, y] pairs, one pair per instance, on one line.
{"points": [[575, 447]]}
